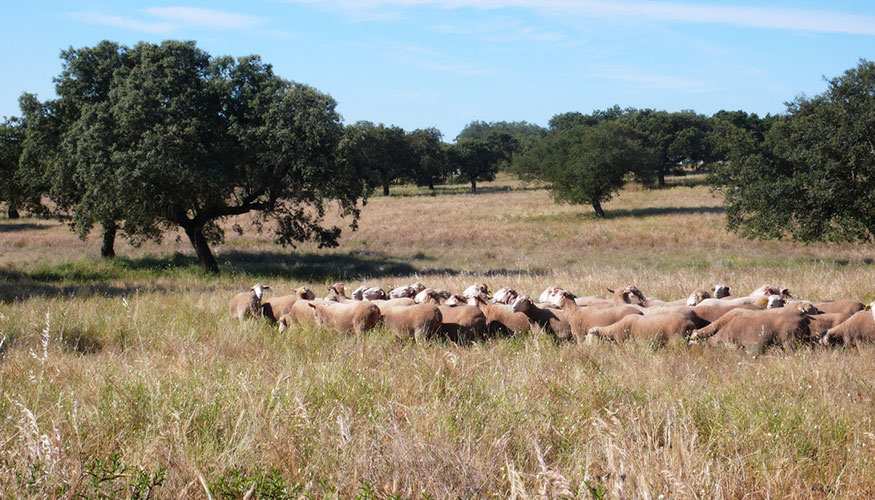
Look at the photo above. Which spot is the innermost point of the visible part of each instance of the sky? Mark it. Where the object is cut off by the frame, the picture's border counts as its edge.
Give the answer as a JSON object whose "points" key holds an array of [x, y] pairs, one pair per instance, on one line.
{"points": [[446, 63]]}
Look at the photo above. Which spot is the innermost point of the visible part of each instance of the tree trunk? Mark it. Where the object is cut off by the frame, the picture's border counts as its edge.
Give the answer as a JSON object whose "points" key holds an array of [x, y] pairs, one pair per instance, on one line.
{"points": [[202, 249], [385, 190], [661, 177], [13, 213], [598, 210], [431, 184], [474, 186], [107, 250]]}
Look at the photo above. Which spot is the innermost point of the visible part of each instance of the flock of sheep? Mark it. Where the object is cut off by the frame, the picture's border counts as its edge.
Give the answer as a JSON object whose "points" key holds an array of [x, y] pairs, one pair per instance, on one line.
{"points": [[769, 315]]}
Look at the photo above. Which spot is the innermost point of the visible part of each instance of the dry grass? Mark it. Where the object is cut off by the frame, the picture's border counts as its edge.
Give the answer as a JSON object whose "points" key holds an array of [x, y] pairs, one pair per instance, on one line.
{"points": [[137, 361]]}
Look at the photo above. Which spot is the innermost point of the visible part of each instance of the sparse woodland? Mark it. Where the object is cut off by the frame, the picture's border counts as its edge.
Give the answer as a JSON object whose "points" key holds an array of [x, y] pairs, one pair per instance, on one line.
{"points": [[126, 377]]}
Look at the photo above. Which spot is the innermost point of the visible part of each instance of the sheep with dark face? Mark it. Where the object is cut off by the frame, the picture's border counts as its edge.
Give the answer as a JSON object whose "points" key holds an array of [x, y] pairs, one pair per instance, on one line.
{"points": [[246, 304], [628, 295]]}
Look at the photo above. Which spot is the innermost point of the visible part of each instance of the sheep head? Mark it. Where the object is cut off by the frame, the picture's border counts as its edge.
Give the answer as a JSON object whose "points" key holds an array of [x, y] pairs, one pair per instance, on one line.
{"points": [[305, 293], [522, 303], [697, 296], [720, 290], [476, 289], [258, 289]]}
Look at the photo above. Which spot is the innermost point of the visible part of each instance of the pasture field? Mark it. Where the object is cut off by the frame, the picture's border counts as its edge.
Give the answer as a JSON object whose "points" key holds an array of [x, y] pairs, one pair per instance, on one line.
{"points": [[129, 379]]}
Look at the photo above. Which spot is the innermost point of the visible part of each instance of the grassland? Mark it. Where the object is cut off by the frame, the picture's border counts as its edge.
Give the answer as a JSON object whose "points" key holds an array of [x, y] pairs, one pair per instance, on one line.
{"points": [[128, 378]]}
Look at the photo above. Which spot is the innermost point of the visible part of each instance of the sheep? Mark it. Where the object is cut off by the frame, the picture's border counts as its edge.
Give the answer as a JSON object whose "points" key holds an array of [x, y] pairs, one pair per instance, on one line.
{"points": [[475, 289], [545, 318], [716, 325], [840, 306], [422, 297], [500, 318], [419, 321], [406, 291], [760, 301], [384, 305], [276, 307], [246, 304], [366, 293], [855, 330], [697, 297], [548, 294], [299, 314], [820, 323], [684, 311], [628, 295], [757, 330], [768, 290], [581, 319], [354, 316], [462, 323], [504, 296], [721, 291], [337, 293], [711, 314], [660, 327]]}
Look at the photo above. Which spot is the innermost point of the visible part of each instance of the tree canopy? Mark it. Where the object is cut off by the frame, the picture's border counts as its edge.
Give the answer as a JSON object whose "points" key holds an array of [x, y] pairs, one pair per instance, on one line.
{"points": [[162, 136], [12, 190], [478, 159], [587, 164], [813, 175]]}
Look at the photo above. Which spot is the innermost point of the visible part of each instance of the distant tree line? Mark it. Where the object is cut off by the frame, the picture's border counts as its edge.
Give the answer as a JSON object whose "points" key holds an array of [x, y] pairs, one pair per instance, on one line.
{"points": [[144, 139]]}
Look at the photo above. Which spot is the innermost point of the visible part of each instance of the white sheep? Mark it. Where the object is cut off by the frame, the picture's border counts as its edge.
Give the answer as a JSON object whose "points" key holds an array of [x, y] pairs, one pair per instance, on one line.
{"points": [[247, 303]]}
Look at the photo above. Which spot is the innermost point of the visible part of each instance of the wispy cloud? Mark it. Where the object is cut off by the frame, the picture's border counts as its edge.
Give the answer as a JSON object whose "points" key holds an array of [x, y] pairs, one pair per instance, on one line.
{"points": [[206, 18], [503, 30], [787, 18], [433, 60], [124, 22], [649, 80]]}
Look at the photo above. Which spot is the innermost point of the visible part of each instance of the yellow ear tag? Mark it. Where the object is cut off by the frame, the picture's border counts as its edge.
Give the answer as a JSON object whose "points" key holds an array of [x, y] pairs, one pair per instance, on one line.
{"points": [[868, 307], [764, 302]]}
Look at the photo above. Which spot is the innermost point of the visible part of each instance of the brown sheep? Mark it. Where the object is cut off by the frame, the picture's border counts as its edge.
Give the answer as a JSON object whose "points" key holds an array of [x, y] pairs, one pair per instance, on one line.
{"points": [[840, 306], [247, 304], [276, 307], [406, 291], [855, 330], [820, 323], [300, 314], [710, 314], [684, 311], [659, 327], [757, 330], [349, 317], [581, 319], [628, 295], [544, 318], [462, 323], [501, 319], [440, 295], [419, 321], [386, 304], [716, 325]]}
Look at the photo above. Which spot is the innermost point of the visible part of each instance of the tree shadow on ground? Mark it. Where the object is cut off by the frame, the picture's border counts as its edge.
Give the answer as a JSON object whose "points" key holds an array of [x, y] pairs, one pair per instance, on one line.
{"points": [[653, 211], [455, 189], [11, 227]]}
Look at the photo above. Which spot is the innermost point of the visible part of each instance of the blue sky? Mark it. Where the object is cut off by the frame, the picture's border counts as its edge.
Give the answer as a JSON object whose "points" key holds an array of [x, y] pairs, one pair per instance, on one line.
{"points": [[444, 63]]}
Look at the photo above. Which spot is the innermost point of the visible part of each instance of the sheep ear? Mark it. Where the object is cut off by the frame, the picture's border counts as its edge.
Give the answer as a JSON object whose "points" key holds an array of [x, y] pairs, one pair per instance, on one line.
{"points": [[311, 305], [265, 288], [609, 290]]}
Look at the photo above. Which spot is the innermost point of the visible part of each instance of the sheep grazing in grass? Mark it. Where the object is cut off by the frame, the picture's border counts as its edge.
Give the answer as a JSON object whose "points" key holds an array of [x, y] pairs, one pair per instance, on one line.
{"points": [[857, 329], [757, 330], [475, 289], [628, 295], [697, 297], [369, 293], [546, 319], [351, 317], [423, 296], [504, 296], [337, 293], [581, 319], [275, 308], [383, 305], [655, 327], [247, 304], [820, 323], [500, 318], [711, 314], [548, 294], [840, 306], [462, 323], [420, 321], [406, 291]]}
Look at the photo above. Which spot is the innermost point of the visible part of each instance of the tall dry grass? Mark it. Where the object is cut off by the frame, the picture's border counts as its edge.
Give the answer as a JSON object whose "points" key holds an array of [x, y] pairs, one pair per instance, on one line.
{"points": [[129, 379]]}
